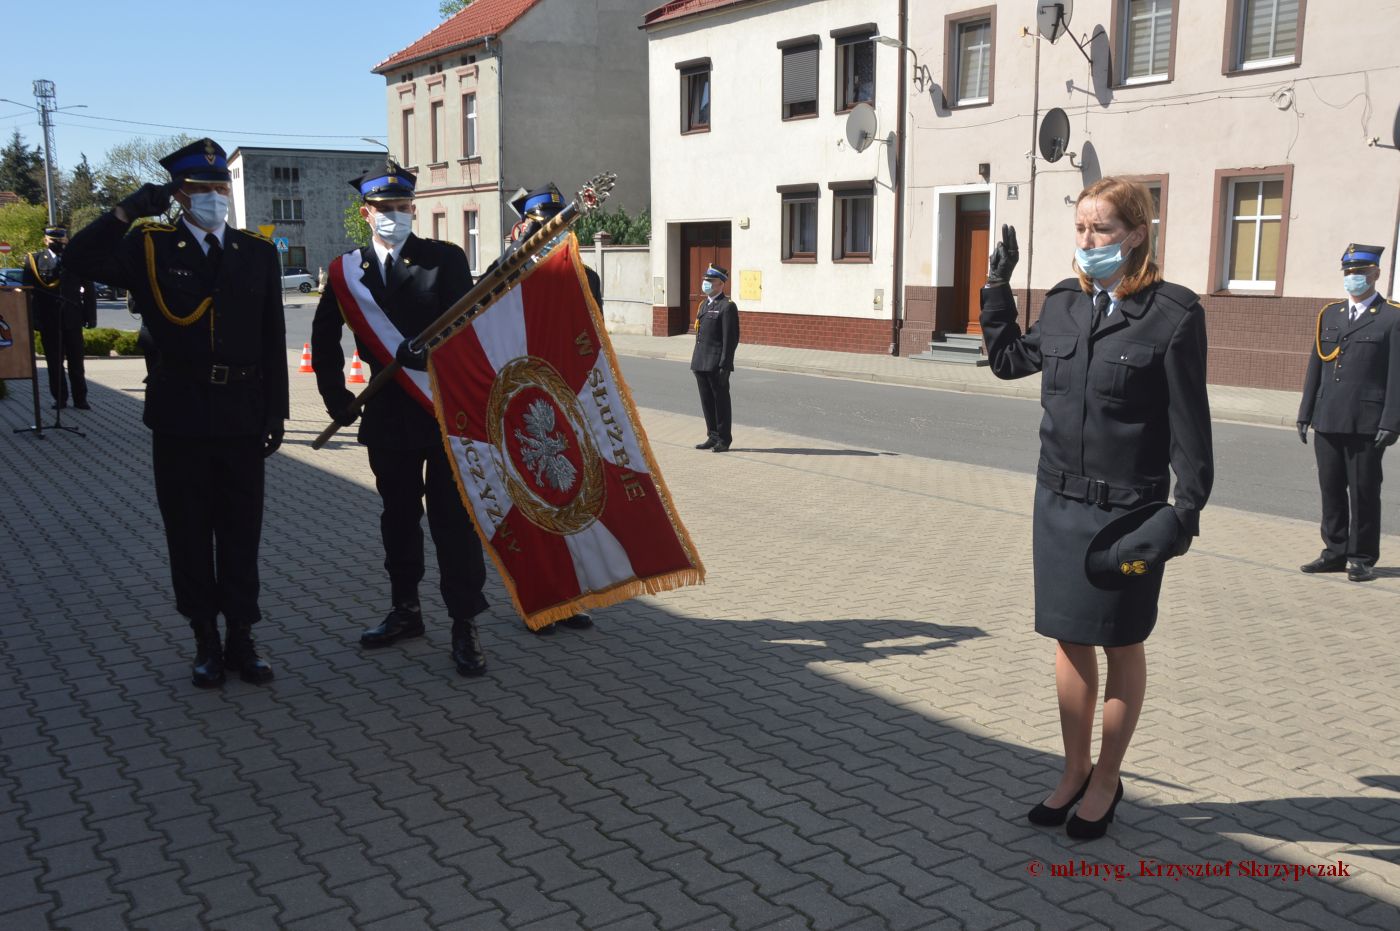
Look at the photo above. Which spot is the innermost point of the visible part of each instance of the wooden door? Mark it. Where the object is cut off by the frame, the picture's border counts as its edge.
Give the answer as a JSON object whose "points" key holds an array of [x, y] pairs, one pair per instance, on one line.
{"points": [[970, 269], [701, 244]]}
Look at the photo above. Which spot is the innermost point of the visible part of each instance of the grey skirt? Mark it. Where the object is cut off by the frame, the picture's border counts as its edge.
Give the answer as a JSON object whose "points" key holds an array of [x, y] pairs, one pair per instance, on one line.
{"points": [[1067, 606]]}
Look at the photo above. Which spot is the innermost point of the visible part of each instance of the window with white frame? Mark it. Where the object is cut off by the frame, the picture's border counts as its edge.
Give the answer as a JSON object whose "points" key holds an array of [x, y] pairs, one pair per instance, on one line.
{"points": [[473, 238], [1155, 189], [1146, 42], [469, 126], [439, 127], [285, 208], [1253, 232], [1266, 33], [853, 223], [972, 57], [800, 225], [855, 70], [440, 226], [408, 137]]}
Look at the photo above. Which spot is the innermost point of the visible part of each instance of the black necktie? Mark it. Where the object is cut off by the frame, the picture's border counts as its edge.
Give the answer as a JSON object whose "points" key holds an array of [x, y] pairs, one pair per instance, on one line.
{"points": [[388, 266], [216, 251], [1101, 303]]}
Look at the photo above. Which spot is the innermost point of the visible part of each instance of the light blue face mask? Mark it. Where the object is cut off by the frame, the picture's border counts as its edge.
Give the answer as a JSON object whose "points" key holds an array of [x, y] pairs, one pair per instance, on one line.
{"points": [[1101, 262], [707, 286], [1356, 285]]}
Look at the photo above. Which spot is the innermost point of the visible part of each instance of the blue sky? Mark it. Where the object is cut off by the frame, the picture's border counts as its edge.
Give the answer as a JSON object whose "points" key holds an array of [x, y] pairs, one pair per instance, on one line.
{"points": [[238, 71]]}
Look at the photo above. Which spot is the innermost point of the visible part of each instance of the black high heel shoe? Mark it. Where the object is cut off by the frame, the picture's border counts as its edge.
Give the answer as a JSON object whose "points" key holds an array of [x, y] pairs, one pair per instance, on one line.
{"points": [[1048, 817], [1079, 829]]}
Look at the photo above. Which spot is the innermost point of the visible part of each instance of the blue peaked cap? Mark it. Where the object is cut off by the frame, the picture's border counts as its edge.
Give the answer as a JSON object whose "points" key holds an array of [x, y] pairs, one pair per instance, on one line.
{"points": [[1359, 256], [201, 160]]}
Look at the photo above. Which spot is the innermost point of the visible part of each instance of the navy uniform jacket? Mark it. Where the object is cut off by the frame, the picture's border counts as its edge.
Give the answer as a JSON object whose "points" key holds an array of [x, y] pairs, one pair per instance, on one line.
{"points": [[1358, 391], [242, 327], [429, 277], [57, 296], [716, 336], [1123, 405]]}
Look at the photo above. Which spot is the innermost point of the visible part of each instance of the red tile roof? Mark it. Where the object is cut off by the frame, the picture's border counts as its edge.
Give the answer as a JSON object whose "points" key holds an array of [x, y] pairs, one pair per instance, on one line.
{"points": [[480, 19], [677, 9]]}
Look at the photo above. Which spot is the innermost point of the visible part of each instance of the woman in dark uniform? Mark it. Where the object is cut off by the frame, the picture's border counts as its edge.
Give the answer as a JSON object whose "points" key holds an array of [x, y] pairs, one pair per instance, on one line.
{"points": [[1122, 357]]}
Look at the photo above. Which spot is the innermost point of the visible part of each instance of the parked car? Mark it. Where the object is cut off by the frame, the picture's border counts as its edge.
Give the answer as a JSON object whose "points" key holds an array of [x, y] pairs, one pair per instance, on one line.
{"points": [[299, 278], [11, 277], [106, 292]]}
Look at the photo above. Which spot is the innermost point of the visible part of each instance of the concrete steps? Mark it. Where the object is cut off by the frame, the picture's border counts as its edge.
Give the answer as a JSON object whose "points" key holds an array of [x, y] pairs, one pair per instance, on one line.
{"points": [[960, 348]]}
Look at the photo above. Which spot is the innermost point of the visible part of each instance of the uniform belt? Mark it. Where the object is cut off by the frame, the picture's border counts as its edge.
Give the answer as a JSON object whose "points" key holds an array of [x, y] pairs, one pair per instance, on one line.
{"points": [[216, 373], [1096, 491]]}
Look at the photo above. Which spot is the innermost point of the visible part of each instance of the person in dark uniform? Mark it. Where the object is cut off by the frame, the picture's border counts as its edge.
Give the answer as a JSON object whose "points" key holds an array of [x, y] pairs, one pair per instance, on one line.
{"points": [[1354, 410], [716, 338], [1122, 358], [63, 304], [404, 283], [536, 208], [216, 396]]}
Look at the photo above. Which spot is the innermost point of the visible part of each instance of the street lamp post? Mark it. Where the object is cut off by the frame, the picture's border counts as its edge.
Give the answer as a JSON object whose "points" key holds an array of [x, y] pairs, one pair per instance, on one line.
{"points": [[897, 286]]}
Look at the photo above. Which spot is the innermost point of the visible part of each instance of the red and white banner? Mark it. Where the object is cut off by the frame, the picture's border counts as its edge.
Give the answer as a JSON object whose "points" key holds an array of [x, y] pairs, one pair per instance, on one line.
{"points": [[550, 456], [373, 327]]}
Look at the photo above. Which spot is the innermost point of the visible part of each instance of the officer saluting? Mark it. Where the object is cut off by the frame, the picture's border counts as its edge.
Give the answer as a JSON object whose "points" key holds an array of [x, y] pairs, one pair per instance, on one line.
{"points": [[388, 292], [1351, 399], [216, 396], [63, 305]]}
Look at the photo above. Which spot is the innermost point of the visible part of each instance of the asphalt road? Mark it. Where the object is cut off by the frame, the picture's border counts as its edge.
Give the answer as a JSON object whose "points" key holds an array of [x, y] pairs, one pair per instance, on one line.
{"points": [[1260, 469]]}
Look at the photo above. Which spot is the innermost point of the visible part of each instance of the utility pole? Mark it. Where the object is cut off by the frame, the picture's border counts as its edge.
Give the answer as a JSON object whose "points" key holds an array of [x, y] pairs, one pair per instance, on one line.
{"points": [[48, 102]]}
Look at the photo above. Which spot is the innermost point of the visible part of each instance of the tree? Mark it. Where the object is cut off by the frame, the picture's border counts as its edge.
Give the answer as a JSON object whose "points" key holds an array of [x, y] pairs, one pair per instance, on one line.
{"points": [[22, 170], [22, 226], [81, 188], [130, 164], [624, 230], [452, 7], [356, 227]]}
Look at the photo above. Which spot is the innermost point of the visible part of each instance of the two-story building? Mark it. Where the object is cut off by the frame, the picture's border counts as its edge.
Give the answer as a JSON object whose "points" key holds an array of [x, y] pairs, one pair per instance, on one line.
{"points": [[752, 166], [302, 193], [1265, 129], [510, 94]]}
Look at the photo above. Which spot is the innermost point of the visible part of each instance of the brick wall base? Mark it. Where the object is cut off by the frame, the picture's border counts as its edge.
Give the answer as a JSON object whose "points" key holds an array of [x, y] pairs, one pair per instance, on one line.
{"points": [[667, 321]]}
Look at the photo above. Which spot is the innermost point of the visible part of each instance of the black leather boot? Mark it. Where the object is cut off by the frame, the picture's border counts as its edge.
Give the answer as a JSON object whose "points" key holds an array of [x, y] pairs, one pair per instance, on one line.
{"points": [[208, 670], [242, 654], [403, 622], [466, 648]]}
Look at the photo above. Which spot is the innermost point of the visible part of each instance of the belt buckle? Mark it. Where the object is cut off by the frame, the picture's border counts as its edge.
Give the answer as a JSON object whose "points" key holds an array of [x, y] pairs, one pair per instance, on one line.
{"points": [[218, 374], [1099, 491]]}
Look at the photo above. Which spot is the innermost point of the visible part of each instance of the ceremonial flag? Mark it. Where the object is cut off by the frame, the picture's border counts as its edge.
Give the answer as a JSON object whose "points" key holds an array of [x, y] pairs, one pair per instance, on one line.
{"points": [[550, 456]]}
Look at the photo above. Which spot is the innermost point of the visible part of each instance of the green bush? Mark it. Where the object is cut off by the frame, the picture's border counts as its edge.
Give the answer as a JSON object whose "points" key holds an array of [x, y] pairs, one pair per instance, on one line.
{"points": [[125, 344], [99, 342]]}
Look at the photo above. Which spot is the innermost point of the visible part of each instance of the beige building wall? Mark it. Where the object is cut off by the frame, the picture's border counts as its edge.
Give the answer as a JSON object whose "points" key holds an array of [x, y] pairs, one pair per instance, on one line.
{"points": [[451, 181], [731, 174], [1313, 120]]}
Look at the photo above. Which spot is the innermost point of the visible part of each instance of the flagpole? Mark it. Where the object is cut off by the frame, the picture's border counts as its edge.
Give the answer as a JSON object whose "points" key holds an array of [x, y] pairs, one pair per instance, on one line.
{"points": [[512, 270]]}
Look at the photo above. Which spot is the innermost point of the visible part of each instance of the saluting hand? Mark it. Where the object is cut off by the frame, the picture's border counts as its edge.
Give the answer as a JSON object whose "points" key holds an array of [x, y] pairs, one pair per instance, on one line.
{"points": [[1004, 258], [1303, 431], [1385, 438], [148, 200]]}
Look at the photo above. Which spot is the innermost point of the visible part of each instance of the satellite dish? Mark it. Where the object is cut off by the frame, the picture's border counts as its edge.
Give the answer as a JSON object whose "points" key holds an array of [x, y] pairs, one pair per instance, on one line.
{"points": [[1052, 19], [1053, 138], [861, 126]]}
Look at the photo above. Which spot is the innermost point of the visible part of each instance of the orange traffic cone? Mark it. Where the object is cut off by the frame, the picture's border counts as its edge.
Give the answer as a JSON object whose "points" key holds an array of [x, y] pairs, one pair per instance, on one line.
{"points": [[357, 374], [306, 358]]}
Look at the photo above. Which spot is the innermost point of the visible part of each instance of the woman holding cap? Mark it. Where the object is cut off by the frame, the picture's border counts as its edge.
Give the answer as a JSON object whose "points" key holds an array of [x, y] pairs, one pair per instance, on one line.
{"points": [[1122, 357]]}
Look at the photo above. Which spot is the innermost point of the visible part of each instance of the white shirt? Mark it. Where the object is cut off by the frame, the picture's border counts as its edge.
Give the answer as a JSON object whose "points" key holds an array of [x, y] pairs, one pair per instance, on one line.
{"points": [[382, 253], [1112, 301], [199, 234], [1358, 309]]}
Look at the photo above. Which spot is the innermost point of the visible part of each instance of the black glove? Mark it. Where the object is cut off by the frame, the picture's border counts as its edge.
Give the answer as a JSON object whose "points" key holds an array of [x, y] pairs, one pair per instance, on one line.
{"points": [[148, 200], [1004, 258], [1303, 431], [273, 440], [1385, 437], [1183, 537], [409, 359], [345, 416]]}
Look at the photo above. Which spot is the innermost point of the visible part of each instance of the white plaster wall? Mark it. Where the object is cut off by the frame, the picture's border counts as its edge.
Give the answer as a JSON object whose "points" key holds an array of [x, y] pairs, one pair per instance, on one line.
{"points": [[732, 172], [1343, 189], [625, 273]]}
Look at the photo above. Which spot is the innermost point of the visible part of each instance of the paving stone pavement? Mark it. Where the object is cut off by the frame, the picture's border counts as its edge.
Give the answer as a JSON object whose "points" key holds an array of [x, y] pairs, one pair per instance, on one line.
{"points": [[841, 729]]}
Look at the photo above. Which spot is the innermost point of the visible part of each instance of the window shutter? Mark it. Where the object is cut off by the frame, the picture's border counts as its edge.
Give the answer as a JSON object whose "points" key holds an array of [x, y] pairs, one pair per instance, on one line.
{"points": [[799, 74]]}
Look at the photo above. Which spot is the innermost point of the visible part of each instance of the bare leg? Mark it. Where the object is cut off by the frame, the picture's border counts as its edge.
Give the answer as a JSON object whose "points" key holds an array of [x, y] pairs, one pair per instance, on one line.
{"points": [[1122, 704], [1077, 686]]}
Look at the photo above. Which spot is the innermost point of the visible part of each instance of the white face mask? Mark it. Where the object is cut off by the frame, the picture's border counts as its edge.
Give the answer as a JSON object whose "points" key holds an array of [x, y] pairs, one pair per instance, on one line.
{"points": [[208, 209], [393, 226]]}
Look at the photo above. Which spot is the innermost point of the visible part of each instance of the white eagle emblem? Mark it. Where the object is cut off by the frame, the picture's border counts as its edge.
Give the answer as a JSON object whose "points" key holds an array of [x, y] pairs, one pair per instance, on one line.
{"points": [[542, 448]]}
